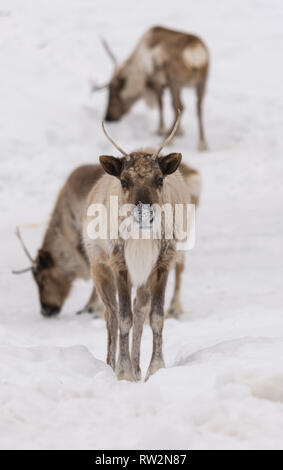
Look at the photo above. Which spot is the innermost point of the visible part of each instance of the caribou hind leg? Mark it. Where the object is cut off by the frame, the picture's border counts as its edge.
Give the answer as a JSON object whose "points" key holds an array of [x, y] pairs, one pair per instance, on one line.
{"points": [[200, 90]]}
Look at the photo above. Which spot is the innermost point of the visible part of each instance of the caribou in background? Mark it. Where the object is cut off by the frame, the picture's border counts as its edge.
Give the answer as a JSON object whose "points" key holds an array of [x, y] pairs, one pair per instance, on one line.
{"points": [[163, 58]]}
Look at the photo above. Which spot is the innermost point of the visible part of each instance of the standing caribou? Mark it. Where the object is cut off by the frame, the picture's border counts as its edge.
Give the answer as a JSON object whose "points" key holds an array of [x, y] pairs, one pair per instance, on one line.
{"points": [[163, 58], [142, 179]]}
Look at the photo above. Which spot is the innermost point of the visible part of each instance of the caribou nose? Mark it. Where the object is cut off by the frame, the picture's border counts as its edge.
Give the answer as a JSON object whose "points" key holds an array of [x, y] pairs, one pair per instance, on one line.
{"points": [[49, 310], [143, 214], [109, 118]]}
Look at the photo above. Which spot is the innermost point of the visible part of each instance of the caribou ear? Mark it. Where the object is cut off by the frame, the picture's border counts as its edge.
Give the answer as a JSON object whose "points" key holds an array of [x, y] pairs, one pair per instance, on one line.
{"points": [[170, 163], [111, 165], [44, 260]]}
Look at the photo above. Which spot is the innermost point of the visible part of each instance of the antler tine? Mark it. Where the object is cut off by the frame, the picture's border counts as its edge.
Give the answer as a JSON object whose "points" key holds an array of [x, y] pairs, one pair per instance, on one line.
{"points": [[18, 234], [114, 143], [170, 136], [21, 271], [108, 51]]}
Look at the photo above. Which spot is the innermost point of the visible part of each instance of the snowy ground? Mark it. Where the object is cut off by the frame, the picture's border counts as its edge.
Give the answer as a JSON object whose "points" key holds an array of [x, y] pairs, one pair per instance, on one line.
{"points": [[223, 385]]}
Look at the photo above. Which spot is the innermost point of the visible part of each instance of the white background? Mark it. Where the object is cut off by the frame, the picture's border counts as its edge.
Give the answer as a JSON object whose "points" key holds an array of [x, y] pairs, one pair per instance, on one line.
{"points": [[223, 385]]}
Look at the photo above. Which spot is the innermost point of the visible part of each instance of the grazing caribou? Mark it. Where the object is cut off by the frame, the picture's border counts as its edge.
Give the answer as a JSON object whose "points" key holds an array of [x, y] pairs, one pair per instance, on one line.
{"points": [[61, 258], [163, 58], [142, 179]]}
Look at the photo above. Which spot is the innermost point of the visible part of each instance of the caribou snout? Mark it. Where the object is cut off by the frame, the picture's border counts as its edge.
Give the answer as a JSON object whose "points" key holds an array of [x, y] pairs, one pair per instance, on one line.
{"points": [[110, 118], [143, 214], [49, 310]]}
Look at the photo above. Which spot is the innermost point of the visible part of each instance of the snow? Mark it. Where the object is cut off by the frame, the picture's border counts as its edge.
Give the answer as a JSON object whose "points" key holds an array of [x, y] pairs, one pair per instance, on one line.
{"points": [[223, 384]]}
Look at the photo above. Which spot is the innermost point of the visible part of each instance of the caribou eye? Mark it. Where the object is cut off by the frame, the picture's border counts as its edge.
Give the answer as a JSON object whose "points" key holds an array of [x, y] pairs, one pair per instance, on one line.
{"points": [[124, 184], [160, 182]]}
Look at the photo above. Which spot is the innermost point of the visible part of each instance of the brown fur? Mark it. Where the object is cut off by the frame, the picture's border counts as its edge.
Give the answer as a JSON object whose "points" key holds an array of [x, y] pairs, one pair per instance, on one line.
{"points": [[163, 58]]}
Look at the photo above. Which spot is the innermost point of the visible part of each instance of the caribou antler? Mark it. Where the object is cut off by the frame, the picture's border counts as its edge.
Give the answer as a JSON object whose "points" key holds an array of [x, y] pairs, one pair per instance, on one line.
{"points": [[109, 51], [170, 136], [155, 155], [21, 271], [93, 86], [18, 234], [114, 143]]}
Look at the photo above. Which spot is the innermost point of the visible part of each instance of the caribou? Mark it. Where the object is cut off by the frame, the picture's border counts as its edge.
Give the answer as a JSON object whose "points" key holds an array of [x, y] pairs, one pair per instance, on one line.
{"points": [[61, 258], [163, 58], [141, 179]]}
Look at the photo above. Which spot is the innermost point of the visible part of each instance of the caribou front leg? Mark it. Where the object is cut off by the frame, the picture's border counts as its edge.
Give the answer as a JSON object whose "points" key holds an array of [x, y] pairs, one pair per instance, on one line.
{"points": [[200, 89], [141, 305], [176, 102], [175, 308], [124, 369], [155, 87], [161, 129], [158, 286], [94, 305], [105, 284]]}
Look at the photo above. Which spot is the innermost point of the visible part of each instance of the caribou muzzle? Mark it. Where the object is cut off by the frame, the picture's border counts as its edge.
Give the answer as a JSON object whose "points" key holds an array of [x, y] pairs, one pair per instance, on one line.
{"points": [[49, 310], [110, 118], [143, 214]]}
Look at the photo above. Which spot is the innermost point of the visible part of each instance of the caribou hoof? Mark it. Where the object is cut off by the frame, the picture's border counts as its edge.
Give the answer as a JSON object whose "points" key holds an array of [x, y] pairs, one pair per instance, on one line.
{"points": [[137, 374], [202, 146], [84, 310], [161, 132], [180, 131], [96, 310], [175, 310], [124, 371], [154, 366]]}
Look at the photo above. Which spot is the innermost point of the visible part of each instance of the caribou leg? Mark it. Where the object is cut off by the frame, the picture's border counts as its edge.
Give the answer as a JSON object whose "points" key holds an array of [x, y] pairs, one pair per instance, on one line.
{"points": [[105, 284], [177, 104], [156, 316], [200, 89], [94, 305], [141, 305], [175, 308], [124, 369]]}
